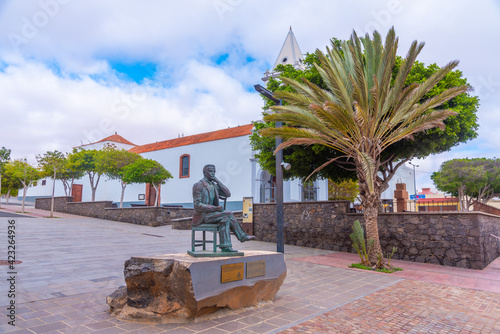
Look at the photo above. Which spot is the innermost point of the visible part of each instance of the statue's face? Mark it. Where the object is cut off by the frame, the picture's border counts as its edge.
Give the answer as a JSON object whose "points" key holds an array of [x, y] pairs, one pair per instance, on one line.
{"points": [[209, 173]]}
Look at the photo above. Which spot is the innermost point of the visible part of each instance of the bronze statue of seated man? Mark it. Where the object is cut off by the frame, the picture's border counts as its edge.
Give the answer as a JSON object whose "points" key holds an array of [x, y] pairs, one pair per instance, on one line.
{"points": [[208, 211]]}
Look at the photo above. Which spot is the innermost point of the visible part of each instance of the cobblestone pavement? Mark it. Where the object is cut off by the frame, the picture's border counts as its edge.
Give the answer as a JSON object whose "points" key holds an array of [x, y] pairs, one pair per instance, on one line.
{"points": [[71, 264]]}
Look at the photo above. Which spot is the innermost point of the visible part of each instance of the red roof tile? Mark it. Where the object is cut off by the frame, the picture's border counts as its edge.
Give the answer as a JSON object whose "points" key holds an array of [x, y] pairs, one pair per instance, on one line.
{"points": [[243, 130], [116, 138]]}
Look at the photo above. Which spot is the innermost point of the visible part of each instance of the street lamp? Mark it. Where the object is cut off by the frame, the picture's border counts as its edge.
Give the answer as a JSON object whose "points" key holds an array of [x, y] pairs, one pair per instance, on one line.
{"points": [[414, 182], [280, 243]]}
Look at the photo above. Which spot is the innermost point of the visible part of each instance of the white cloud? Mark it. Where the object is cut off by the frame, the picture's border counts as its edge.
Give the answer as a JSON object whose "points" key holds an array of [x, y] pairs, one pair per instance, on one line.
{"points": [[43, 109]]}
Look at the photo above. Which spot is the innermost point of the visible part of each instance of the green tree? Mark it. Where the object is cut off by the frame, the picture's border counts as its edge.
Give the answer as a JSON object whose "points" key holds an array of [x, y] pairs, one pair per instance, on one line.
{"points": [[10, 184], [147, 171], [363, 112], [470, 180], [22, 171], [87, 161], [459, 128], [115, 162], [51, 164], [346, 190], [4, 159], [68, 175]]}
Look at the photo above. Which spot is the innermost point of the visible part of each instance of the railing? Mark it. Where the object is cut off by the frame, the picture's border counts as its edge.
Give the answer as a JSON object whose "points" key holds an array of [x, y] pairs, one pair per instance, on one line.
{"points": [[411, 206], [430, 206]]}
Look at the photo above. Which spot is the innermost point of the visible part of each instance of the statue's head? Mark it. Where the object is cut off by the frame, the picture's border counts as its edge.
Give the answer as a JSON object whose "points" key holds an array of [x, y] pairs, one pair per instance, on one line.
{"points": [[207, 170]]}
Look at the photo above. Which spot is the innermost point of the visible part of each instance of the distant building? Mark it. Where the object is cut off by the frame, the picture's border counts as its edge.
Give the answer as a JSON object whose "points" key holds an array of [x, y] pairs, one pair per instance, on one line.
{"points": [[436, 202]]}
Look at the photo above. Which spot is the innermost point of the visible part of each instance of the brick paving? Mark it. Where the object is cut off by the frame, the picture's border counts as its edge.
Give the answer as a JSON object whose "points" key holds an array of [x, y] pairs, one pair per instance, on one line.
{"points": [[71, 264], [412, 306]]}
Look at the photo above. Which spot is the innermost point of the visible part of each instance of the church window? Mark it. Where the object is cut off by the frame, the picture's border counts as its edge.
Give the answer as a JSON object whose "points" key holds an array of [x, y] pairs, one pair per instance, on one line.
{"points": [[284, 60], [44, 182], [184, 166], [309, 191]]}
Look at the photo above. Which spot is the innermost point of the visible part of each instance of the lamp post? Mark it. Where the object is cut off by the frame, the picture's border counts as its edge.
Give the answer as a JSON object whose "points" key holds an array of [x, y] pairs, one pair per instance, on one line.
{"points": [[280, 243], [414, 183]]}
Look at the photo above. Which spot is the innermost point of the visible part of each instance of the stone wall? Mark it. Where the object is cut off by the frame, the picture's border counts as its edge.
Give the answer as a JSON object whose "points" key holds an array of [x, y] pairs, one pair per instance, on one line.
{"points": [[148, 215], [458, 239], [59, 203]]}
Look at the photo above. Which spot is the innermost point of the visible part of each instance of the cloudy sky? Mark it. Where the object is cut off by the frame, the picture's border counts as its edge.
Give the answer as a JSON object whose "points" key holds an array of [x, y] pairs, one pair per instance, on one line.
{"points": [[76, 71]]}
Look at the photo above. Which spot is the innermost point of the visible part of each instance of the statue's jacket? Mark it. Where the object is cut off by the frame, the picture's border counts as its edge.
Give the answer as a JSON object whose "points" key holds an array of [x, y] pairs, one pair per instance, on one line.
{"points": [[204, 205]]}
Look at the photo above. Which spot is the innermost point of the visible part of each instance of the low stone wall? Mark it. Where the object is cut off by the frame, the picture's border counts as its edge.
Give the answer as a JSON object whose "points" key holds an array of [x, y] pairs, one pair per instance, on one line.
{"points": [[308, 224], [148, 215], [459, 239], [44, 203]]}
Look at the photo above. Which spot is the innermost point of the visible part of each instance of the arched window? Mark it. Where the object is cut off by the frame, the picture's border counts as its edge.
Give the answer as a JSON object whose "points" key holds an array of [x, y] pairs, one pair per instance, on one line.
{"points": [[184, 166]]}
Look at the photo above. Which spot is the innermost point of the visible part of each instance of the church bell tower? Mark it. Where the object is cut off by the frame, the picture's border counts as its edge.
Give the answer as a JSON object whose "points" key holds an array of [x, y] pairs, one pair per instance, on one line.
{"points": [[290, 54]]}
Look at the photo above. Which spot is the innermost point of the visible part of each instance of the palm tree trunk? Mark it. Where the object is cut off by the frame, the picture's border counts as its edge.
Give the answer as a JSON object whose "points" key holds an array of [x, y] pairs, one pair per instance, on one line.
{"points": [[371, 203]]}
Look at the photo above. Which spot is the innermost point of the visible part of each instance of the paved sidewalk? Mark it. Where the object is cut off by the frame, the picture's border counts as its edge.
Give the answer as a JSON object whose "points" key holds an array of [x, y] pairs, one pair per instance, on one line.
{"points": [[30, 211], [487, 279], [71, 264]]}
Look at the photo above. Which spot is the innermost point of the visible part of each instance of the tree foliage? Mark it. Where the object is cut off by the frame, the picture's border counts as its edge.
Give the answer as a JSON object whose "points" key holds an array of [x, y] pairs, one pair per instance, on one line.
{"points": [[304, 159], [115, 162], [346, 190], [4, 159], [50, 164], [364, 111], [147, 171], [22, 171], [470, 180], [87, 161]]}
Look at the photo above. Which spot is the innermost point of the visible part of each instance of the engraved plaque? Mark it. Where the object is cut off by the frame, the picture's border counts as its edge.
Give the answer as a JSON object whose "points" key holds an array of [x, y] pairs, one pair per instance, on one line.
{"points": [[231, 272], [256, 268]]}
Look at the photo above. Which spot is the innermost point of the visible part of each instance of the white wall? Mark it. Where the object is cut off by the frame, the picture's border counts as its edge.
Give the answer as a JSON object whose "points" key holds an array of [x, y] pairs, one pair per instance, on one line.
{"points": [[232, 157]]}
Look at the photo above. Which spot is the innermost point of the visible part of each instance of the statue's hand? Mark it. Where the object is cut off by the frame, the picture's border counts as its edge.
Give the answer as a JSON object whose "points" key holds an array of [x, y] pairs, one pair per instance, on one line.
{"points": [[219, 208]]}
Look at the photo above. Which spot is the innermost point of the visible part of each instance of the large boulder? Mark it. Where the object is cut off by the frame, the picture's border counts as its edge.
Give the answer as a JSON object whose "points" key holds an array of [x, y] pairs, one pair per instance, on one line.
{"points": [[181, 288]]}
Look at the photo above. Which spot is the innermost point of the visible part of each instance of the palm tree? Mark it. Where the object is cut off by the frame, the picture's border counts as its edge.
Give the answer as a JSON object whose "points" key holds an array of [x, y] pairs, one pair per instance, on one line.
{"points": [[362, 112]]}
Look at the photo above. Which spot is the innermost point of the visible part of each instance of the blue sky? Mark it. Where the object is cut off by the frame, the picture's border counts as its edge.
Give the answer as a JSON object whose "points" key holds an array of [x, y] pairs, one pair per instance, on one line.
{"points": [[75, 71]]}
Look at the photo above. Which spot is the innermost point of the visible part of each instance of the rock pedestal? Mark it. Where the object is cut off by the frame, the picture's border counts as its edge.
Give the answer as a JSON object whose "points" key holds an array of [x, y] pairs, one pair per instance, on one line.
{"points": [[181, 288]]}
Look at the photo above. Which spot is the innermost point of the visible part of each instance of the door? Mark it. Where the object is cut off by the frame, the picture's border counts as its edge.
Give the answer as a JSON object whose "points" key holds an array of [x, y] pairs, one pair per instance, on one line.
{"points": [[76, 192], [151, 194]]}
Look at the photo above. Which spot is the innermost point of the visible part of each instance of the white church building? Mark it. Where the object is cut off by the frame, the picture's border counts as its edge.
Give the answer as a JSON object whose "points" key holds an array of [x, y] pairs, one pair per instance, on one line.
{"points": [[228, 149]]}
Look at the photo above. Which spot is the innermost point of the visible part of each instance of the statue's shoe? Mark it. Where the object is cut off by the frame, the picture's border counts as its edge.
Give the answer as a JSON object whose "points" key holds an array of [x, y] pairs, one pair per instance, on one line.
{"points": [[248, 238], [227, 249]]}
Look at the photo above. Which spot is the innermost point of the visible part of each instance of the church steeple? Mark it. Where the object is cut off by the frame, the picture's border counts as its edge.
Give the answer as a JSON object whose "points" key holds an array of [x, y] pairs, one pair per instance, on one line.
{"points": [[290, 54]]}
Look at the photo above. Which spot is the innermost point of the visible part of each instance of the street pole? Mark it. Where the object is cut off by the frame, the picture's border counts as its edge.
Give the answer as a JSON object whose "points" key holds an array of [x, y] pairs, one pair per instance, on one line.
{"points": [[414, 183], [280, 238]]}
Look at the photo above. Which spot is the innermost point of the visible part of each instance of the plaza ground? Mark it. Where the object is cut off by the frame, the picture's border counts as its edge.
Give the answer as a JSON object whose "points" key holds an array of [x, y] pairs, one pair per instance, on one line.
{"points": [[70, 264]]}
